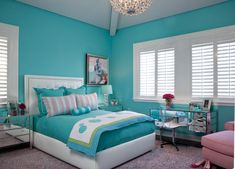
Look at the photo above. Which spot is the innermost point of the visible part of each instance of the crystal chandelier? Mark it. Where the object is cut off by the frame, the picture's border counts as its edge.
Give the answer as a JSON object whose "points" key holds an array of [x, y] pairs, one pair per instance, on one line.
{"points": [[130, 7]]}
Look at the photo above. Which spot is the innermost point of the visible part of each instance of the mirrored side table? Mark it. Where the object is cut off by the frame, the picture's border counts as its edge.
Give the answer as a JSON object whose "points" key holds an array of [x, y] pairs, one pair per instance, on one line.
{"points": [[15, 131]]}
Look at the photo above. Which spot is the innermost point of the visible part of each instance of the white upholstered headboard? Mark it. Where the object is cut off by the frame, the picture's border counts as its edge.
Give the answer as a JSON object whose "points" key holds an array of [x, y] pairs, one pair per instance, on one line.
{"points": [[33, 81]]}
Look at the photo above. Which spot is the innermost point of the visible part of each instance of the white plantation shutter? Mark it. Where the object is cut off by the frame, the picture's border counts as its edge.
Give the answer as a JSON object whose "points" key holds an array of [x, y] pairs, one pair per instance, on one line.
{"points": [[202, 70], [3, 70], [147, 73], [226, 69], [165, 71]]}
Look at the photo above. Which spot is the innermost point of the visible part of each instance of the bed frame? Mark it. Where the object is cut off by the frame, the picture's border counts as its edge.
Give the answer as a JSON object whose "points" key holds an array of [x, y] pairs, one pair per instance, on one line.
{"points": [[105, 159]]}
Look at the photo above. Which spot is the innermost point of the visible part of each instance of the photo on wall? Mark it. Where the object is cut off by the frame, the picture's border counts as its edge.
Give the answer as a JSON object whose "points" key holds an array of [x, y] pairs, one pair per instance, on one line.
{"points": [[97, 70]]}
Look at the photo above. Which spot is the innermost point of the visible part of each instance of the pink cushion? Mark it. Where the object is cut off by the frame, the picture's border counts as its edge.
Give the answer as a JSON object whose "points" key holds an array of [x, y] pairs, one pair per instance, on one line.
{"points": [[218, 158], [222, 142], [229, 126], [59, 105], [87, 100]]}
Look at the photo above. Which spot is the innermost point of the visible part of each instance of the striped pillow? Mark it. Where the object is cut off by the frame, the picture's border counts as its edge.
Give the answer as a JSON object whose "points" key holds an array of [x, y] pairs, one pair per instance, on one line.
{"points": [[59, 105], [87, 100]]}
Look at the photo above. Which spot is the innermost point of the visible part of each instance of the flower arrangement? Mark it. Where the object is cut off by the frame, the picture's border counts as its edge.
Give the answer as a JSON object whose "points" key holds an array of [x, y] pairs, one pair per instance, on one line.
{"points": [[22, 108], [168, 98]]}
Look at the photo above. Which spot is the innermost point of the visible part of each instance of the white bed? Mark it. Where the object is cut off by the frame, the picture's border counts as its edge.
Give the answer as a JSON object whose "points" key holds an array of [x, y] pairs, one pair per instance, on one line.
{"points": [[105, 159]]}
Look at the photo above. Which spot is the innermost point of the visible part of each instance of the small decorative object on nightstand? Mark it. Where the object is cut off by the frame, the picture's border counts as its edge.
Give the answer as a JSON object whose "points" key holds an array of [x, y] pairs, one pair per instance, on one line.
{"points": [[113, 108], [22, 108], [107, 90]]}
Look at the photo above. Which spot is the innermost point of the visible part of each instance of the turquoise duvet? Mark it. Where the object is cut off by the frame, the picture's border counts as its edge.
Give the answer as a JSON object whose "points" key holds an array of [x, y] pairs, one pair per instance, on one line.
{"points": [[59, 127]]}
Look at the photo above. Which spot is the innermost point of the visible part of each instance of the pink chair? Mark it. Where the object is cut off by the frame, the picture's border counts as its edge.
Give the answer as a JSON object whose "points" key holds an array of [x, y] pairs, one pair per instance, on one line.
{"points": [[218, 148]]}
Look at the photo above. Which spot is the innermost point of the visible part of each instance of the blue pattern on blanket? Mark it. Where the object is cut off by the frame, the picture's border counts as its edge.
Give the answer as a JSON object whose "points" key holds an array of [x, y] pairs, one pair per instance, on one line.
{"points": [[82, 128]]}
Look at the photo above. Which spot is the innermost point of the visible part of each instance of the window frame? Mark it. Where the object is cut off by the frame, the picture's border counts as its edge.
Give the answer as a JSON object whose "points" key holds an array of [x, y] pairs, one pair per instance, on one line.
{"points": [[12, 34], [183, 92]]}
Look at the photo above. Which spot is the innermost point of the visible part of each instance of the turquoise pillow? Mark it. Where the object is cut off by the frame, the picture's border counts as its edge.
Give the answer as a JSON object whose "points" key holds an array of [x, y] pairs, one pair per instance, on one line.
{"points": [[80, 90], [43, 92], [81, 110]]}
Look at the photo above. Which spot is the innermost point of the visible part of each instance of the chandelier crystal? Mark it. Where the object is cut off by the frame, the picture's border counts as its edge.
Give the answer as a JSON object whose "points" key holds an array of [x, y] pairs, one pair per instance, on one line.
{"points": [[130, 7]]}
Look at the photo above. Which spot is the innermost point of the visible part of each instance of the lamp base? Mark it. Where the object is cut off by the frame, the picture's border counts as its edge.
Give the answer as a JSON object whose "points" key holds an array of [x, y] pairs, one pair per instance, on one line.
{"points": [[106, 99]]}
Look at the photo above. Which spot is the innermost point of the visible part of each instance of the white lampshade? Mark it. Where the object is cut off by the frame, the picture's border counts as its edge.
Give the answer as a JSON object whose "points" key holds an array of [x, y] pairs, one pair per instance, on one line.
{"points": [[107, 89]]}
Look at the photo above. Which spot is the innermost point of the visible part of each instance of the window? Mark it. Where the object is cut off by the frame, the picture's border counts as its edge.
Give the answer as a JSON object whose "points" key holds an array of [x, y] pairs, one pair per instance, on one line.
{"points": [[202, 70], [8, 63], [165, 71], [226, 69], [3, 70], [193, 66], [147, 73], [155, 73]]}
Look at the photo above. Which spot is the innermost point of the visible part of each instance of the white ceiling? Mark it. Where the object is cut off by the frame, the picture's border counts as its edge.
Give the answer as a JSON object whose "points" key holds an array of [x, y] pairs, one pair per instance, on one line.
{"points": [[99, 12]]}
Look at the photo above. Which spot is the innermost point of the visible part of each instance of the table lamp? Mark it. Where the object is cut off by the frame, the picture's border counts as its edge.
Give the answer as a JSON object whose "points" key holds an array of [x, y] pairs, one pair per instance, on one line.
{"points": [[107, 90]]}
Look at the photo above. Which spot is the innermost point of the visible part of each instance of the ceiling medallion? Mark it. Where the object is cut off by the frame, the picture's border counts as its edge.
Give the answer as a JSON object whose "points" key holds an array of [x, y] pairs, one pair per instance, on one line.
{"points": [[130, 7]]}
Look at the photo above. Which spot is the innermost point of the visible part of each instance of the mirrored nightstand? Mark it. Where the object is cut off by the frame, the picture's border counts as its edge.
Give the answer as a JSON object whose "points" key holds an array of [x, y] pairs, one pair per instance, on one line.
{"points": [[15, 131]]}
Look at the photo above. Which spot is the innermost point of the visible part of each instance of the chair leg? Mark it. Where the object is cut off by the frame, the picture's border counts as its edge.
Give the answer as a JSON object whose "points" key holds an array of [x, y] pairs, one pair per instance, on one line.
{"points": [[173, 139]]}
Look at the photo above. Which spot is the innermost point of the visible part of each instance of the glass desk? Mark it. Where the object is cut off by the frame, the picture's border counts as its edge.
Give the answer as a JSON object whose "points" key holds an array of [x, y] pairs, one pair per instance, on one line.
{"points": [[190, 125]]}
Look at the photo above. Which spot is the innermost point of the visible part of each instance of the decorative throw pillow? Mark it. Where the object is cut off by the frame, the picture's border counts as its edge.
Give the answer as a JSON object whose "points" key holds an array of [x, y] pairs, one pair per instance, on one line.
{"points": [[81, 110], [59, 105], [43, 92], [80, 90], [88, 100]]}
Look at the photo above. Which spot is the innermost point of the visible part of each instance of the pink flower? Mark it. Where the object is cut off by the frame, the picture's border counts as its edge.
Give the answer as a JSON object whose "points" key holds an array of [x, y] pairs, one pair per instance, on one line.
{"points": [[22, 106], [168, 96]]}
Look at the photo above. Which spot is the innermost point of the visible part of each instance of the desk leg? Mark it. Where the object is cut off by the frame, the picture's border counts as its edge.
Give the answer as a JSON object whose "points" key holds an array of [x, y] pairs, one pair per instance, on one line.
{"points": [[173, 139], [160, 131]]}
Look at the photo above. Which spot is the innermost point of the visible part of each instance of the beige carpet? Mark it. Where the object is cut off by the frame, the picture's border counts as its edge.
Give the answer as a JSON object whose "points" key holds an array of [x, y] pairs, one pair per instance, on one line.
{"points": [[160, 158]]}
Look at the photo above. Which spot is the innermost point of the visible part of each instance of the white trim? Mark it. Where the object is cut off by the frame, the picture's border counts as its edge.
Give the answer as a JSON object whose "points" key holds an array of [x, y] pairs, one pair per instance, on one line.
{"points": [[183, 73], [105, 159], [216, 102], [12, 33], [35, 81]]}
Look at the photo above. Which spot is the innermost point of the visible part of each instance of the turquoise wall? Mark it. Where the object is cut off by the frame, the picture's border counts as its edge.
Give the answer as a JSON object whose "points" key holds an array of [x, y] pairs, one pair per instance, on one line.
{"points": [[50, 44], [121, 62]]}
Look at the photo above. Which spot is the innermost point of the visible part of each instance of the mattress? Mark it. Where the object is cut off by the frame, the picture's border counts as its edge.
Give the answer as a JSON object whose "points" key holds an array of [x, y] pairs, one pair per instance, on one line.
{"points": [[59, 127]]}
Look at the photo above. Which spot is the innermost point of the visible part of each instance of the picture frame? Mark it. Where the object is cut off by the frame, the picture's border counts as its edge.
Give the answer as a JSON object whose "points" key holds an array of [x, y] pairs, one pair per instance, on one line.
{"points": [[206, 105], [96, 70]]}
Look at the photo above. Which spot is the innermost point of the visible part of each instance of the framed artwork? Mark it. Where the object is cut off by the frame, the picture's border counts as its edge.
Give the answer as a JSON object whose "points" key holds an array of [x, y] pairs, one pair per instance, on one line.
{"points": [[207, 104], [97, 70]]}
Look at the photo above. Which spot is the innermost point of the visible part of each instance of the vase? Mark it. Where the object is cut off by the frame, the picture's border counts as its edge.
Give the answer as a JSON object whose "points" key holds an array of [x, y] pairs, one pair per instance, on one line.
{"points": [[22, 112], [168, 103]]}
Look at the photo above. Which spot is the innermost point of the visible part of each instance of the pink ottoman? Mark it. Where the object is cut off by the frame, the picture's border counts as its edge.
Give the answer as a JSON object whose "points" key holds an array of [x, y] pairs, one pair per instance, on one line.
{"points": [[218, 148], [229, 125]]}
